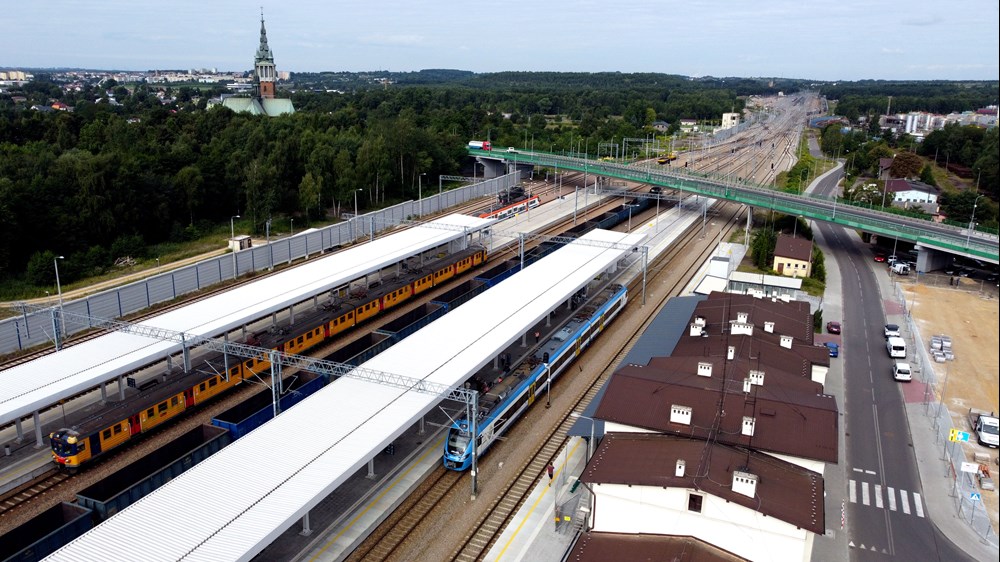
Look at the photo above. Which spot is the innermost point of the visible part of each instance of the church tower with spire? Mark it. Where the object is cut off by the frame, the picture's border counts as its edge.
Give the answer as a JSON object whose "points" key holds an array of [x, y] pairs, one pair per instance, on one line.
{"points": [[263, 101], [263, 64]]}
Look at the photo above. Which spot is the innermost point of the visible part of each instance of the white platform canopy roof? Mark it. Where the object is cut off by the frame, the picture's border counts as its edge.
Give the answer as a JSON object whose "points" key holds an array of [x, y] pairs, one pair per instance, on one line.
{"points": [[44, 381], [314, 447]]}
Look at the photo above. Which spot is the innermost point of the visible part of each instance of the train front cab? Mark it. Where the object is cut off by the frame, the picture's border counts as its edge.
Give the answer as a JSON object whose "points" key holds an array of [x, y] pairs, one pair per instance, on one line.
{"points": [[457, 448], [69, 450]]}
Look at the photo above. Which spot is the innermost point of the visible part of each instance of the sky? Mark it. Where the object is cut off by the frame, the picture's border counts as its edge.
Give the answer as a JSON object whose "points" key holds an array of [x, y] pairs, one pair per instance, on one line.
{"points": [[811, 39]]}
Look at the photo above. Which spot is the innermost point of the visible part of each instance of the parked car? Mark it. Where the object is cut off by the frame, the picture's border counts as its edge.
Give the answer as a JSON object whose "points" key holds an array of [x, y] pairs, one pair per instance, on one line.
{"points": [[879, 257], [901, 371], [833, 348], [833, 327], [891, 330]]}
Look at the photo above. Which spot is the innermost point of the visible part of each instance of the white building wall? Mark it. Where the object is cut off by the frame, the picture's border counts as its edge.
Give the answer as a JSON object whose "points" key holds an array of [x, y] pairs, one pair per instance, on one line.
{"points": [[819, 374], [742, 531], [914, 196], [610, 427]]}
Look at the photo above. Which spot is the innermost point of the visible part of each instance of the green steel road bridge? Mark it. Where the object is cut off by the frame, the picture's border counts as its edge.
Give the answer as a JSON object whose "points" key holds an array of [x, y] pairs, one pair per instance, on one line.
{"points": [[927, 234]]}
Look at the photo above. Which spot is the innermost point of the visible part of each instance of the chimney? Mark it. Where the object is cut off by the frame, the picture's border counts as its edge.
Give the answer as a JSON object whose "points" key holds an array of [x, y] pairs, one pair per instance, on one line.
{"points": [[786, 342], [746, 385], [745, 483], [769, 327], [756, 377], [748, 423], [680, 414], [704, 369], [696, 330], [742, 317], [730, 353], [679, 470]]}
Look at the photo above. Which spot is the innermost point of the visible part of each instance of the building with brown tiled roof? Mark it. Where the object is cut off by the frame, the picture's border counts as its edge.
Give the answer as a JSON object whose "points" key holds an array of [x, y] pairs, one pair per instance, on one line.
{"points": [[601, 547], [754, 410], [729, 313], [792, 256], [766, 351], [744, 502]]}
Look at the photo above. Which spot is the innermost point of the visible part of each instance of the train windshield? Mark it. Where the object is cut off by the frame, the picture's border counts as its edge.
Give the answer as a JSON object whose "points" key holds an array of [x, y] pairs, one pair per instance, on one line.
{"points": [[458, 442], [63, 449]]}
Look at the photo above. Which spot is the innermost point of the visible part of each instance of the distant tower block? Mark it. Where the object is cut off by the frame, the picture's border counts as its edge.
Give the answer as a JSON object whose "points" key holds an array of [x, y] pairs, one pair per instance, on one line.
{"points": [[264, 65]]}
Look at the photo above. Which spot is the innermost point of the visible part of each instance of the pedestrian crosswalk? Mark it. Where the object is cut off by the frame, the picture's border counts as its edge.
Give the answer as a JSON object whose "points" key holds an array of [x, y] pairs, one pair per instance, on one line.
{"points": [[872, 495]]}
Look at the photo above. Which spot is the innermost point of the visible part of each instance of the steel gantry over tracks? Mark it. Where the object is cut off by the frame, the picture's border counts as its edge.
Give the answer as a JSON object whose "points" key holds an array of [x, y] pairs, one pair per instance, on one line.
{"points": [[35, 385], [925, 233], [233, 504]]}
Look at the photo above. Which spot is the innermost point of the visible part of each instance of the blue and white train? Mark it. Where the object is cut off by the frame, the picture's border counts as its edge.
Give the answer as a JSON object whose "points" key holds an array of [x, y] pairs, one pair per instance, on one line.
{"points": [[505, 403]]}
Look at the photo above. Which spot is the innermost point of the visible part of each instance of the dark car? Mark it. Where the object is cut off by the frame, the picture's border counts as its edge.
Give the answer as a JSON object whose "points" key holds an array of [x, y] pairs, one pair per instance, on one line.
{"points": [[833, 327], [656, 190]]}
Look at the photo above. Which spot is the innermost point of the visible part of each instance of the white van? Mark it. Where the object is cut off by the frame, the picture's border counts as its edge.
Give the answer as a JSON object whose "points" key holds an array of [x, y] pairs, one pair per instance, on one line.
{"points": [[896, 347]]}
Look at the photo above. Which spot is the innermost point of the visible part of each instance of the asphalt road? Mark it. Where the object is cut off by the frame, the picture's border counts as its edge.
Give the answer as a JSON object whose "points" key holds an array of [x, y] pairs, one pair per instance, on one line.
{"points": [[885, 511]]}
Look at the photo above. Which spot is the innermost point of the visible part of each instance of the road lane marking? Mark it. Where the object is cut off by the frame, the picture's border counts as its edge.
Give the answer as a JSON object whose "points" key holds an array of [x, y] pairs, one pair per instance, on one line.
{"points": [[854, 492], [864, 493], [918, 504], [892, 499], [904, 502], [878, 496]]}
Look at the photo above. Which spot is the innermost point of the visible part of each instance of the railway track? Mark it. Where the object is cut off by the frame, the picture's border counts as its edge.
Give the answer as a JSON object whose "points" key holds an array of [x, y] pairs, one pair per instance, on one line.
{"points": [[15, 504], [489, 527], [441, 483]]}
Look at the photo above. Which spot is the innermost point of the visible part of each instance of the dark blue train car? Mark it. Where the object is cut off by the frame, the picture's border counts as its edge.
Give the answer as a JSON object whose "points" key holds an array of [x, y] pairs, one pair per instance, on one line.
{"points": [[413, 320], [128, 485], [259, 409], [45, 533]]}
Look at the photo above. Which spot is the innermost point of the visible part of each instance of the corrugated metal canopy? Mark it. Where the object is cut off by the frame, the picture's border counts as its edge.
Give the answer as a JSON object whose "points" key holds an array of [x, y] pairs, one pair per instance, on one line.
{"points": [[242, 505], [44, 381]]}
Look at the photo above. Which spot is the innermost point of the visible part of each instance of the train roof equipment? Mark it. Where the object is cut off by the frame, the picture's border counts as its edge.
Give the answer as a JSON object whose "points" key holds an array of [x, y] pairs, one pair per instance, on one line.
{"points": [[34, 385], [342, 426]]}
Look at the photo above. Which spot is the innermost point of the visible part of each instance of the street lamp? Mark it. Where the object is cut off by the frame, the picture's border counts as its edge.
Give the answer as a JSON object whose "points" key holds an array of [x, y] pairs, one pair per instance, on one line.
{"points": [[590, 444], [420, 193], [968, 239], [356, 209], [55, 262], [232, 227], [61, 328], [232, 234]]}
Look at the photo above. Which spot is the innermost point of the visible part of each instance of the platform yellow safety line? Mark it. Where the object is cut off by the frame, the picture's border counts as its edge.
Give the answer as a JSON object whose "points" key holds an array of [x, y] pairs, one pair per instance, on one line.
{"points": [[534, 505], [437, 447]]}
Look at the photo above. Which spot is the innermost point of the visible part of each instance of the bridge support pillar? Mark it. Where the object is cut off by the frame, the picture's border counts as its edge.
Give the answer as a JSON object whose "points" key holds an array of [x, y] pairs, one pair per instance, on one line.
{"points": [[492, 168], [929, 259]]}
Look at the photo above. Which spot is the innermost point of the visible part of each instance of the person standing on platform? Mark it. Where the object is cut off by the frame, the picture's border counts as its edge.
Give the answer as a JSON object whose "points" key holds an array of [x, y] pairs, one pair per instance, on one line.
{"points": [[550, 470]]}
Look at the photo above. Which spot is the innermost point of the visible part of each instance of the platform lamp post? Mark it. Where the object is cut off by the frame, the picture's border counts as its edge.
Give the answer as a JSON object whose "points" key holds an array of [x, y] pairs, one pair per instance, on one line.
{"points": [[548, 385]]}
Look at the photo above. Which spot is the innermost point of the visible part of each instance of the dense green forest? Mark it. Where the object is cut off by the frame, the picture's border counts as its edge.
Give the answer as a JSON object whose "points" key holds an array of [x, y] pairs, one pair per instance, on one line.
{"points": [[871, 97], [133, 166]]}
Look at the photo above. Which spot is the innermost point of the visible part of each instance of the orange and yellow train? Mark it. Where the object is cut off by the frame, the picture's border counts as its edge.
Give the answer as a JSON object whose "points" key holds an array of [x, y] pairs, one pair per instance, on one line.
{"points": [[111, 425]]}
